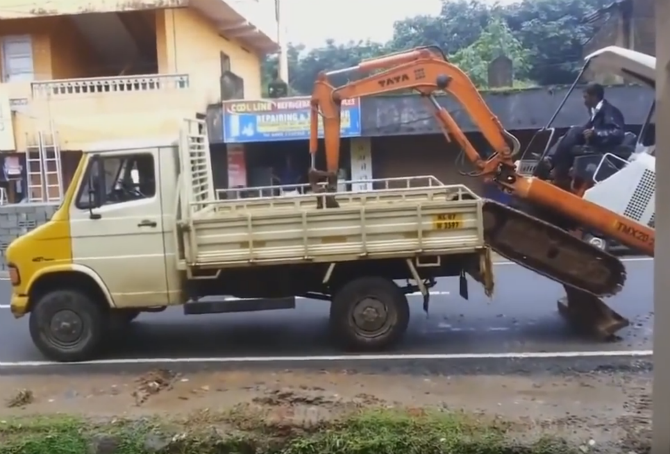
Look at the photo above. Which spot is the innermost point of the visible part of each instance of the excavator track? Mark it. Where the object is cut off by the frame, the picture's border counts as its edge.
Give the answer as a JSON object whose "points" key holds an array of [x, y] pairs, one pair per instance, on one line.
{"points": [[551, 251]]}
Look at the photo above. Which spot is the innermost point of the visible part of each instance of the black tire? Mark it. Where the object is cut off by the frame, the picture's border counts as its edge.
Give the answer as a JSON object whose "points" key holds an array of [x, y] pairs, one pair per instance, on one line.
{"points": [[380, 297], [77, 309]]}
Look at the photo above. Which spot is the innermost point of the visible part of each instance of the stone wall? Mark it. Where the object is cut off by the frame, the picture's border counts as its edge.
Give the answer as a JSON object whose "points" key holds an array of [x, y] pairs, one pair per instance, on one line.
{"points": [[15, 220]]}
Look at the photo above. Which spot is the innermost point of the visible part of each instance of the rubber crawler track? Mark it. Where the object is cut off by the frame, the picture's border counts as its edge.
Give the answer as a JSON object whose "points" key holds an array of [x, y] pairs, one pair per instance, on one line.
{"points": [[551, 251]]}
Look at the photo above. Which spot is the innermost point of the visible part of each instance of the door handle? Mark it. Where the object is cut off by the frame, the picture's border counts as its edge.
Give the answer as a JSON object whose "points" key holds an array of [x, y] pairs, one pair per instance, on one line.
{"points": [[147, 223]]}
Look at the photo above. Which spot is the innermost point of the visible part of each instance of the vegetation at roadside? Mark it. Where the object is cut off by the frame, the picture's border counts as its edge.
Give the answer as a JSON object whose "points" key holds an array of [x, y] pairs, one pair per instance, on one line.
{"points": [[240, 431]]}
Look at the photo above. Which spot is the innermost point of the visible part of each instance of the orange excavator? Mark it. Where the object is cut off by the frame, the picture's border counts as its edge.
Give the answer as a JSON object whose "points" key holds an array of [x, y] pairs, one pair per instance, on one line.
{"points": [[534, 242]]}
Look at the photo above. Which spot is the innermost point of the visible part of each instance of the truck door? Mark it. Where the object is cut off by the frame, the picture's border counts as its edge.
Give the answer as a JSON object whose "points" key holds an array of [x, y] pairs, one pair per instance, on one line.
{"points": [[121, 237]]}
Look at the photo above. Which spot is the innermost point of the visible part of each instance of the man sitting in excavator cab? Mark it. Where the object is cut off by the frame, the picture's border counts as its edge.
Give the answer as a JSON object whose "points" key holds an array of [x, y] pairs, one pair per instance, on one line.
{"points": [[604, 132]]}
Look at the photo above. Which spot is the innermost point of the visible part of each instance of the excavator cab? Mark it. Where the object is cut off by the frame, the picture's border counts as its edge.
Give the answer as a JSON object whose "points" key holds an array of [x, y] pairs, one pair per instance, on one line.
{"points": [[593, 164]]}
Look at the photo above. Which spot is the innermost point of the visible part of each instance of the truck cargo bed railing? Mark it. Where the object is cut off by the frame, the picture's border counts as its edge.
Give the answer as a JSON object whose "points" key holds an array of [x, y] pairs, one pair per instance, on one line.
{"points": [[293, 189], [196, 165], [300, 195]]}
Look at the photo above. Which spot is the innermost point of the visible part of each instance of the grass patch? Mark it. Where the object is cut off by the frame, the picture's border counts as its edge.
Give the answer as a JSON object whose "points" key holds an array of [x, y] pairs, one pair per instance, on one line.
{"points": [[364, 432]]}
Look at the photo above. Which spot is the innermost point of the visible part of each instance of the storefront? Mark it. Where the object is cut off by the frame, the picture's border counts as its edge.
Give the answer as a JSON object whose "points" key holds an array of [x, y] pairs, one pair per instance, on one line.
{"points": [[267, 143], [400, 156]]}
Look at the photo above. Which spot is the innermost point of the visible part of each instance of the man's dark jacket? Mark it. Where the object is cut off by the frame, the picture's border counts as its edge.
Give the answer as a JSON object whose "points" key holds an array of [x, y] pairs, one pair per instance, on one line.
{"points": [[608, 126]]}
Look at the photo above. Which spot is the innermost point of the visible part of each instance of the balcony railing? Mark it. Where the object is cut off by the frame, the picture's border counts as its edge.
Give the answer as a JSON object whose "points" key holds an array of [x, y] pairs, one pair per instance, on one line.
{"points": [[118, 84]]}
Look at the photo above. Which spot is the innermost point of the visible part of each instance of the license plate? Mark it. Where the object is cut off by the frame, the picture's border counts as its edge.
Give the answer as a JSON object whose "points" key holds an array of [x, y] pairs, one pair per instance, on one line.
{"points": [[447, 222]]}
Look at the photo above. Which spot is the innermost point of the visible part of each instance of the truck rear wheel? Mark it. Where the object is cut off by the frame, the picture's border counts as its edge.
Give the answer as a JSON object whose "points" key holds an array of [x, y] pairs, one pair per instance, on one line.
{"points": [[369, 313], [67, 326]]}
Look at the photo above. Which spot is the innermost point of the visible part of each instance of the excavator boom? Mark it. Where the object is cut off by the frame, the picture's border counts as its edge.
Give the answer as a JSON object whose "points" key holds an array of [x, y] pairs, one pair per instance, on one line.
{"points": [[522, 238]]}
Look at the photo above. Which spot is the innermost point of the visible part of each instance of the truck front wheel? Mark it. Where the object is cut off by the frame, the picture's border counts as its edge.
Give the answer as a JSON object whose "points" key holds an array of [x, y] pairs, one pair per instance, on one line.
{"points": [[369, 313], [67, 326]]}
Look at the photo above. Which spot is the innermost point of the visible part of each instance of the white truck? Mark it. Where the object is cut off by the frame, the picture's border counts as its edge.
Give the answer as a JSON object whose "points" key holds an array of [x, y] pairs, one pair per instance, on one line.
{"points": [[141, 229]]}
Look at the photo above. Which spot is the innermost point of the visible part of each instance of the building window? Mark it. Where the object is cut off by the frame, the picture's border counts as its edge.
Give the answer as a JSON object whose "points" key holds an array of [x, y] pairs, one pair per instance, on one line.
{"points": [[17, 59]]}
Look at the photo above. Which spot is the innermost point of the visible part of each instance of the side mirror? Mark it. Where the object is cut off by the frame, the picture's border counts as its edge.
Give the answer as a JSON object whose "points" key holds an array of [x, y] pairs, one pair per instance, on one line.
{"points": [[95, 187]]}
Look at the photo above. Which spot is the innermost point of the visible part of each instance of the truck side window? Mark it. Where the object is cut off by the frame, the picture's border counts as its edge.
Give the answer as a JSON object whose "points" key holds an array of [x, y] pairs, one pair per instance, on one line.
{"points": [[126, 178]]}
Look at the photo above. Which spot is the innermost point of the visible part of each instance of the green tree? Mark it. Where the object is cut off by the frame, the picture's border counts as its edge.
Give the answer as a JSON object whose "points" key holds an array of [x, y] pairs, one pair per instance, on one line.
{"points": [[554, 32], [458, 25], [303, 71], [495, 40]]}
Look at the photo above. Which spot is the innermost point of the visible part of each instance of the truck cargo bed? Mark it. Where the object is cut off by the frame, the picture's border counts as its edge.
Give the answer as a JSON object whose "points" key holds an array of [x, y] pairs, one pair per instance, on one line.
{"points": [[418, 219]]}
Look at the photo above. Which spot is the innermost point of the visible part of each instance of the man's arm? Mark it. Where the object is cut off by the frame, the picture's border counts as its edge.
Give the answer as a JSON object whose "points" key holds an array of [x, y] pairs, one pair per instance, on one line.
{"points": [[611, 130]]}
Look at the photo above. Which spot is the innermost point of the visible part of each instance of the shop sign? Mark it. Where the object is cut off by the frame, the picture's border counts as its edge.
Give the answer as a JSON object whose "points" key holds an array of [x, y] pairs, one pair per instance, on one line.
{"points": [[271, 120]]}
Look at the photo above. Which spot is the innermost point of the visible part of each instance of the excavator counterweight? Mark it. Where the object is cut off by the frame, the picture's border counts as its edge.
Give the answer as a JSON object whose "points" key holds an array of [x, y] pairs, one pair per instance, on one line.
{"points": [[586, 271]]}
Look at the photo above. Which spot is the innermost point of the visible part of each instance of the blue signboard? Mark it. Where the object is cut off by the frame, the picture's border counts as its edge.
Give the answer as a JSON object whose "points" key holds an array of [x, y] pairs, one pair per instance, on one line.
{"points": [[271, 120]]}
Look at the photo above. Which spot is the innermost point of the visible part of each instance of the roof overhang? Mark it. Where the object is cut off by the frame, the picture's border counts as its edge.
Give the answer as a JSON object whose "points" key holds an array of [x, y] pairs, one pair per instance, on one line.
{"points": [[626, 63], [233, 22]]}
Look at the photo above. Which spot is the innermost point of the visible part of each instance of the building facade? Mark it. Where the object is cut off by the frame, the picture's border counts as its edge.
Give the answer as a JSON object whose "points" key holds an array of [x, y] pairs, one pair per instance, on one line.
{"points": [[77, 74], [389, 136]]}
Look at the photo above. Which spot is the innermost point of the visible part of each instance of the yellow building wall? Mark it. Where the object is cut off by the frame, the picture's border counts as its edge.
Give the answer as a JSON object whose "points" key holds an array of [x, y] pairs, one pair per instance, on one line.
{"points": [[86, 121], [40, 30], [189, 43], [59, 52], [15, 9], [71, 57]]}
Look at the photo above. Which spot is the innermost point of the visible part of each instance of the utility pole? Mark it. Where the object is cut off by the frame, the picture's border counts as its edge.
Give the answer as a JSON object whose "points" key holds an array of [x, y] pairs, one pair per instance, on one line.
{"points": [[281, 39], [661, 405]]}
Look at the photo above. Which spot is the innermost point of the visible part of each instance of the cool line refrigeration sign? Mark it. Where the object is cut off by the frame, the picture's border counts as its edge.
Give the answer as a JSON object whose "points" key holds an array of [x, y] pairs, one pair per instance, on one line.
{"points": [[280, 119]]}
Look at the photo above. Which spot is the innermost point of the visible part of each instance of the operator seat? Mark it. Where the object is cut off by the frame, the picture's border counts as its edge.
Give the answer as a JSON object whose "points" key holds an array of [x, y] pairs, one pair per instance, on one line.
{"points": [[587, 158]]}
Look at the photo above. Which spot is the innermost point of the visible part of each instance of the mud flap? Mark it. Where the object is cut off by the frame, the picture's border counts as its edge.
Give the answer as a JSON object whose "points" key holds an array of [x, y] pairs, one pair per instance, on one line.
{"points": [[481, 272], [590, 314]]}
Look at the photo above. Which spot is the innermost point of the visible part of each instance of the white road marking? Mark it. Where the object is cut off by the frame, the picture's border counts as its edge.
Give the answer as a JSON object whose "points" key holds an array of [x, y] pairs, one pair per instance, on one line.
{"points": [[304, 359], [444, 327]]}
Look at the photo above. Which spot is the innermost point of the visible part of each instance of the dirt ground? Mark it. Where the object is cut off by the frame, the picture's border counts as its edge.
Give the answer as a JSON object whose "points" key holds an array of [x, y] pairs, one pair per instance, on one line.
{"points": [[604, 409]]}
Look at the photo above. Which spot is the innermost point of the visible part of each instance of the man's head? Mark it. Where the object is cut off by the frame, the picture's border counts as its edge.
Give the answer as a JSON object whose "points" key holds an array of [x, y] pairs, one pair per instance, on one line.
{"points": [[593, 94]]}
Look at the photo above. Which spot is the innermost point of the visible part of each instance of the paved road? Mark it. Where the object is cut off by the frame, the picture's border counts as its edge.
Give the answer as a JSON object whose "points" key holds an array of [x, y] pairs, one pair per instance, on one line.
{"points": [[520, 318]]}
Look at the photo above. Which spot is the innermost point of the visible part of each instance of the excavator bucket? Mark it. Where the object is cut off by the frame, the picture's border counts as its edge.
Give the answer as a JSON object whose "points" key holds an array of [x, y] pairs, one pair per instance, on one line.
{"points": [[589, 313]]}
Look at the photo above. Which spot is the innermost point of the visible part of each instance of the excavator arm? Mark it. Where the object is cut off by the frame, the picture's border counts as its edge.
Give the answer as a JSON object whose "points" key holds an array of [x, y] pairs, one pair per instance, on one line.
{"points": [[426, 70], [421, 70]]}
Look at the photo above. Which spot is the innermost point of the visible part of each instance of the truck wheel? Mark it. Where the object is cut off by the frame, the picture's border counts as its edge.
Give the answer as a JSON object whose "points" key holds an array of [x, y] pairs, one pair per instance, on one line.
{"points": [[369, 313], [67, 326]]}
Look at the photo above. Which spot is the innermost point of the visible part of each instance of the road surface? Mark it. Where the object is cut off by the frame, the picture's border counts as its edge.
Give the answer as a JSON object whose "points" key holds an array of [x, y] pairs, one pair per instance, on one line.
{"points": [[520, 318]]}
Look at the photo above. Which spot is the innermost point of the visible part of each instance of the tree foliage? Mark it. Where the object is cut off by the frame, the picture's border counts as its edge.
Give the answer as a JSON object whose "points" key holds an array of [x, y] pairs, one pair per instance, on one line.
{"points": [[496, 39], [554, 32], [543, 38]]}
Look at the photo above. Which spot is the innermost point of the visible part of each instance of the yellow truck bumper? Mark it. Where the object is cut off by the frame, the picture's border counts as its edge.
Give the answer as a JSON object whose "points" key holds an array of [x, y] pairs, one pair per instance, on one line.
{"points": [[19, 305]]}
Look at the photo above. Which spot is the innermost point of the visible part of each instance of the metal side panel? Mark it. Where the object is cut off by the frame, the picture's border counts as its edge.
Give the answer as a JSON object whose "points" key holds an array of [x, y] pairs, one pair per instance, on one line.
{"points": [[347, 233]]}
